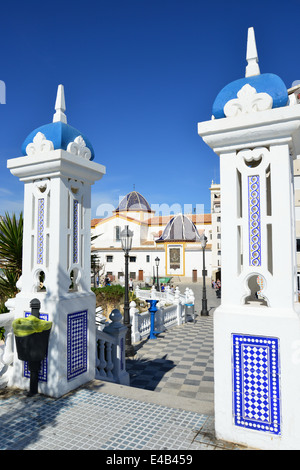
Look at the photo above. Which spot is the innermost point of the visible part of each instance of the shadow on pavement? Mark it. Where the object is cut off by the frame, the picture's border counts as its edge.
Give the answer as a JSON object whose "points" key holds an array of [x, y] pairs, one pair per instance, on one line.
{"points": [[146, 373]]}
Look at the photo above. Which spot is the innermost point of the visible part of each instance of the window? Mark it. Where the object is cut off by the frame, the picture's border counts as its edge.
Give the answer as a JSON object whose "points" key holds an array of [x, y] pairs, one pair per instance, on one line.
{"points": [[132, 275], [132, 259], [117, 233], [147, 258], [109, 258], [298, 245], [120, 274]]}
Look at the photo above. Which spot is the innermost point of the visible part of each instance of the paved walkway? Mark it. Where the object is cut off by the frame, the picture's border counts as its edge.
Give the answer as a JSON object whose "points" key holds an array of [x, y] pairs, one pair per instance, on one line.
{"points": [[180, 361], [169, 405]]}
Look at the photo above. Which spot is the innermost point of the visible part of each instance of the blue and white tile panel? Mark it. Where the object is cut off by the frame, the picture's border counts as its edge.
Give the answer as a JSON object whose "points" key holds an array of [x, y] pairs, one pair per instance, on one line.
{"points": [[254, 221], [77, 344], [75, 231], [40, 231], [256, 383]]}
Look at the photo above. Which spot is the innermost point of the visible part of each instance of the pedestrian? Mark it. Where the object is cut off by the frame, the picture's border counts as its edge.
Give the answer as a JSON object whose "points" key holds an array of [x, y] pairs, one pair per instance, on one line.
{"points": [[130, 285]]}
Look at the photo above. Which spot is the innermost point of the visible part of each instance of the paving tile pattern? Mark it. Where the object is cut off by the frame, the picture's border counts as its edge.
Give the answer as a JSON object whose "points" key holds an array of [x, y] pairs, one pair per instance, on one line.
{"points": [[179, 361], [91, 420]]}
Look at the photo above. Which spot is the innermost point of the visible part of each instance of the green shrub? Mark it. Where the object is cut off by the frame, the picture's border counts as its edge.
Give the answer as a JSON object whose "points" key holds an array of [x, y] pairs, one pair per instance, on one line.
{"points": [[109, 297]]}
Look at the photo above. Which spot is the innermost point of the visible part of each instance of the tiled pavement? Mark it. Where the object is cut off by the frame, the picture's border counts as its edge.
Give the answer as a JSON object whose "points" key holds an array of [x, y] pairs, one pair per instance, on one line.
{"points": [[179, 361], [168, 407]]}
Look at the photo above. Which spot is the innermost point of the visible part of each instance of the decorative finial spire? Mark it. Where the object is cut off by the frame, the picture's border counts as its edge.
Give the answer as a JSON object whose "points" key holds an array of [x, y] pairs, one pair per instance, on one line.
{"points": [[60, 106], [251, 57]]}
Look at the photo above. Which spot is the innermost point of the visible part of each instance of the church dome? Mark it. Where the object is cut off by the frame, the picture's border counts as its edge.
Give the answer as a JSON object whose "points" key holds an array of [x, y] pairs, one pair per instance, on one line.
{"points": [[59, 134], [134, 201], [180, 228]]}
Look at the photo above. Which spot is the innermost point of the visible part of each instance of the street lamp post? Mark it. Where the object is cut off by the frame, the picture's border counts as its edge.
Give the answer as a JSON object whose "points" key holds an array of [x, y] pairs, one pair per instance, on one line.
{"points": [[157, 260], [204, 311], [126, 240]]}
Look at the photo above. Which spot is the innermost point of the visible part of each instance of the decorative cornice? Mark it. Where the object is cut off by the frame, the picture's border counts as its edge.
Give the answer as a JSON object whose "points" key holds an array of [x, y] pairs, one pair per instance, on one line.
{"points": [[39, 145], [248, 101], [78, 147]]}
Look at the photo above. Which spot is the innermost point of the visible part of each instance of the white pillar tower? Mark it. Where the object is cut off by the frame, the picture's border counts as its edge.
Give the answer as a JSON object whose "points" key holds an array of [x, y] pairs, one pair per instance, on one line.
{"points": [[58, 171], [255, 129]]}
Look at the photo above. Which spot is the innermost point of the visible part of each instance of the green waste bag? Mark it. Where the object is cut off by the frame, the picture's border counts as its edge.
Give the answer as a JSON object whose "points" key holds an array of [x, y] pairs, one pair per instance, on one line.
{"points": [[29, 325]]}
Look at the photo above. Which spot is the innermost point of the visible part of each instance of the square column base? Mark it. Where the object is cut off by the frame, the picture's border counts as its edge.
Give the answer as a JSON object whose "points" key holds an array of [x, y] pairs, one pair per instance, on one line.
{"points": [[257, 376]]}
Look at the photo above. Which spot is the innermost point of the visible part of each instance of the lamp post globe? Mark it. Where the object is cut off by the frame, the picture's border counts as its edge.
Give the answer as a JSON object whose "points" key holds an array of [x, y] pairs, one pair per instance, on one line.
{"points": [[126, 236]]}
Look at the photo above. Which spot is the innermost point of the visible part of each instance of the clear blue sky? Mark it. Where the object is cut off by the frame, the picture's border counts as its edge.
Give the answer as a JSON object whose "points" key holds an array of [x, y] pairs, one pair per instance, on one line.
{"points": [[138, 76]]}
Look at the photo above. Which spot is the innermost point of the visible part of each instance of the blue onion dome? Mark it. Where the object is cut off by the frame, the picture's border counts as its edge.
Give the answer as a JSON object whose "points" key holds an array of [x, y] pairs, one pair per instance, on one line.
{"points": [[255, 92], [180, 228], [134, 201], [264, 83], [58, 134]]}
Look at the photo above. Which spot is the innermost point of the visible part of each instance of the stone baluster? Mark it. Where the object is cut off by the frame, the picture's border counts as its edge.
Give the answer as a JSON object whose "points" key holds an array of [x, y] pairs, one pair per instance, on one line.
{"points": [[134, 320], [179, 306], [109, 362], [192, 297], [153, 293], [101, 362], [168, 291], [118, 331], [137, 292], [7, 356], [187, 293]]}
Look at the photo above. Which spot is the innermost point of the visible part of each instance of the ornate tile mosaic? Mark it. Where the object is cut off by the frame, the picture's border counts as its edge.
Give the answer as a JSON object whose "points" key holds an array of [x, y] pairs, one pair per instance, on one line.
{"points": [[75, 231], [256, 383], [40, 231], [77, 344], [254, 221], [43, 372]]}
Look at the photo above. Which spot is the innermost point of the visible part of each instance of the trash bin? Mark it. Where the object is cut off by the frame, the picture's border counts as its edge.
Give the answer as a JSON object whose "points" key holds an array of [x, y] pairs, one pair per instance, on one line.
{"points": [[32, 337], [189, 311]]}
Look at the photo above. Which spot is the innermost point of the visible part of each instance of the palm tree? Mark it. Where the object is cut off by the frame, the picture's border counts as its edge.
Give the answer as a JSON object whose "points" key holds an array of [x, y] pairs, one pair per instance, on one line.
{"points": [[11, 241]]}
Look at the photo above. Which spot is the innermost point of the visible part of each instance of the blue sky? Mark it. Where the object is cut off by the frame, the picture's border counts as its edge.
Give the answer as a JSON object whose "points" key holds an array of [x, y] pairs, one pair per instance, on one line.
{"points": [[138, 76]]}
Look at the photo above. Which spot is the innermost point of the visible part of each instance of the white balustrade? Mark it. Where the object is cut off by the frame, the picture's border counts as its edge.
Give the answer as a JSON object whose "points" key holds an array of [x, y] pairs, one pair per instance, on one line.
{"points": [[7, 349], [170, 310], [110, 357]]}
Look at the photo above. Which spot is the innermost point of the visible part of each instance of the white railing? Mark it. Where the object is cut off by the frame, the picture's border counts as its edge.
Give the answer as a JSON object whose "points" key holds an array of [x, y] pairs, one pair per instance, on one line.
{"points": [[110, 357], [170, 311], [6, 348], [167, 295]]}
